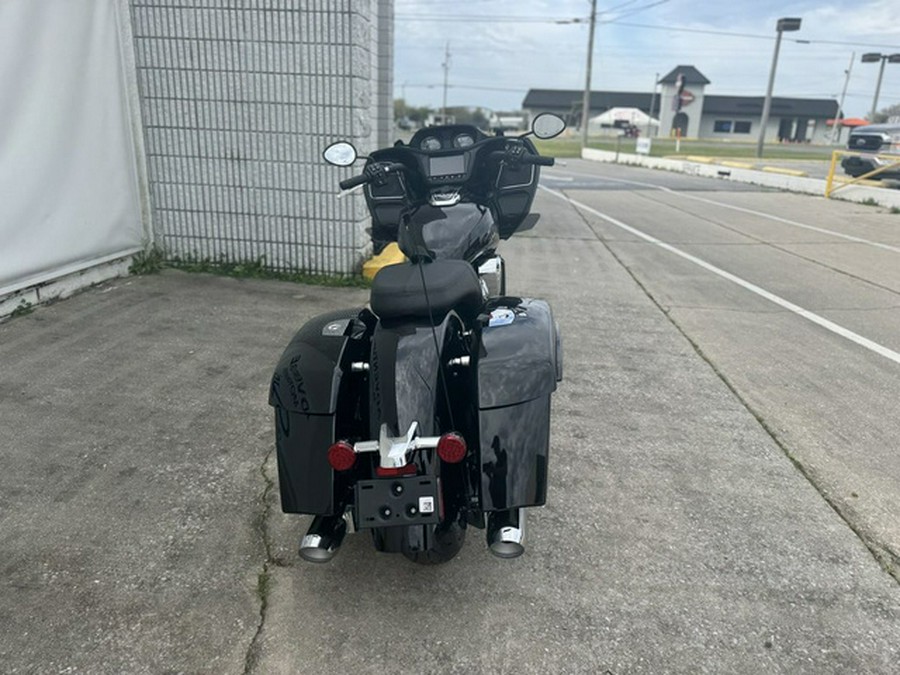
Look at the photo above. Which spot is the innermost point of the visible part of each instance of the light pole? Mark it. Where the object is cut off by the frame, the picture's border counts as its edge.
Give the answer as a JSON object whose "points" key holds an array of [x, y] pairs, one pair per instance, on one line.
{"points": [[836, 129], [875, 57], [783, 25]]}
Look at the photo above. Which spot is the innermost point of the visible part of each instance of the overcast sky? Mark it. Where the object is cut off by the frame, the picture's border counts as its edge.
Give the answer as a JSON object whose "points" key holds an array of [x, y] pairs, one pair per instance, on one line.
{"points": [[501, 48]]}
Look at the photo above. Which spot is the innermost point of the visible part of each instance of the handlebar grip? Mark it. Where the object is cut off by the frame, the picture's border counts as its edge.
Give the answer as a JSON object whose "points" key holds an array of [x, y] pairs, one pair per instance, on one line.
{"points": [[542, 161], [353, 181]]}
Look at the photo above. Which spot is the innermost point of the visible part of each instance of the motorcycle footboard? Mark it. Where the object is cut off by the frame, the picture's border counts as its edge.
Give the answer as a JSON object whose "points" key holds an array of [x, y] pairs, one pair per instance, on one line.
{"points": [[406, 500]]}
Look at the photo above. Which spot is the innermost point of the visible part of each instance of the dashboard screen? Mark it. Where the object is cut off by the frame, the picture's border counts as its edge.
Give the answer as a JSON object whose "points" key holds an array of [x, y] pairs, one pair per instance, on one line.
{"points": [[443, 166]]}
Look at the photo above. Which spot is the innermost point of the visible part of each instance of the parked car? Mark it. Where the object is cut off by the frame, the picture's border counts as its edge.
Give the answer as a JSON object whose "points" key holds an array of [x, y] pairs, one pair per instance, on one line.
{"points": [[872, 142]]}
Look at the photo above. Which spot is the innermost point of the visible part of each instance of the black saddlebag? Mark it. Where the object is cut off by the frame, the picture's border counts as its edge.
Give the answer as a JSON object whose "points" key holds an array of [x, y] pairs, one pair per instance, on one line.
{"points": [[519, 364], [304, 392]]}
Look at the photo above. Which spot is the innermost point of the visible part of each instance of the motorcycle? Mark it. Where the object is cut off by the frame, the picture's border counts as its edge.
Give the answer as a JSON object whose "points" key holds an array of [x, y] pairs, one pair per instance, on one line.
{"points": [[428, 410]]}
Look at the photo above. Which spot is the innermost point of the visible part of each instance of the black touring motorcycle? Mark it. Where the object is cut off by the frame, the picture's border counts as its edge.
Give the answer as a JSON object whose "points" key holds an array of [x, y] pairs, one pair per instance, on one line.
{"points": [[428, 410]]}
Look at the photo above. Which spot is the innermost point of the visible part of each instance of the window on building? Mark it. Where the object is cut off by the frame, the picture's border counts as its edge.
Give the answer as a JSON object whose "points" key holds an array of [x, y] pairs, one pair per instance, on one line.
{"points": [[731, 127]]}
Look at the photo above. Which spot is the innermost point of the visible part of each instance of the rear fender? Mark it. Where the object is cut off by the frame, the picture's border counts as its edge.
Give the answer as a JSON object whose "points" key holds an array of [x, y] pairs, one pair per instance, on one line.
{"points": [[404, 373]]}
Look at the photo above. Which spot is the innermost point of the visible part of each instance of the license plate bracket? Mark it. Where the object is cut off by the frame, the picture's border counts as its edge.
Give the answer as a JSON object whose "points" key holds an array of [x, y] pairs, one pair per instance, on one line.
{"points": [[406, 500]]}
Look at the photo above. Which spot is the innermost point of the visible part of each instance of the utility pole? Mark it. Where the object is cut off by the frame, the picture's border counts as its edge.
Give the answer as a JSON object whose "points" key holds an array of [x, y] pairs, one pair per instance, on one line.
{"points": [[838, 127], [446, 66], [586, 101]]}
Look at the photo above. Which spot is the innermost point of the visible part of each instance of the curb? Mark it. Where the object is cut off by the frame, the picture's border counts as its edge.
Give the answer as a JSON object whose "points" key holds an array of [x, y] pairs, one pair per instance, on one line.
{"points": [[739, 172]]}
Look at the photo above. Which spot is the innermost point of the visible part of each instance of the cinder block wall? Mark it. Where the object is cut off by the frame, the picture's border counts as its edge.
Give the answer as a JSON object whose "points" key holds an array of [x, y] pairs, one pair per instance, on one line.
{"points": [[238, 100]]}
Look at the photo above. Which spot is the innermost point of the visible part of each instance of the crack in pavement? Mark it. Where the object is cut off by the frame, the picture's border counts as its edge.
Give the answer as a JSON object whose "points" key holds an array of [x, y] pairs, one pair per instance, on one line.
{"points": [[263, 584]]}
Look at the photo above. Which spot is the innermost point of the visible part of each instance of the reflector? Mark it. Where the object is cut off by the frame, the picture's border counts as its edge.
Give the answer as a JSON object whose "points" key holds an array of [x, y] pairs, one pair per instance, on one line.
{"points": [[451, 448], [341, 456]]}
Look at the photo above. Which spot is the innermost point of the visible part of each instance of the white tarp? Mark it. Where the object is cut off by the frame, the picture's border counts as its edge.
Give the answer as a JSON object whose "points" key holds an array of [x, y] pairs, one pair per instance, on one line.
{"points": [[633, 116], [68, 186]]}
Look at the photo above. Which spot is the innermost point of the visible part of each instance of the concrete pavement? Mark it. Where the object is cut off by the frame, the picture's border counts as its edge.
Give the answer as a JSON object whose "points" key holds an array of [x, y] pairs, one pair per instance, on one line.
{"points": [[140, 528]]}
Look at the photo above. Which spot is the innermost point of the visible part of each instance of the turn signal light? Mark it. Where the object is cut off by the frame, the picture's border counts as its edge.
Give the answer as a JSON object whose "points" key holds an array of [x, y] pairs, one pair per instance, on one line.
{"points": [[341, 456], [451, 448]]}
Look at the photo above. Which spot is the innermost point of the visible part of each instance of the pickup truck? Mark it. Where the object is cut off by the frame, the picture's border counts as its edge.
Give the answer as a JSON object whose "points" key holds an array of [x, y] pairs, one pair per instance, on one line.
{"points": [[869, 141]]}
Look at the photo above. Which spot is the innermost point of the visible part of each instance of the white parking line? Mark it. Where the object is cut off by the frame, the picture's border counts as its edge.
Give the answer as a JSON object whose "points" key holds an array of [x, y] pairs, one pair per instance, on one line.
{"points": [[753, 288], [761, 214]]}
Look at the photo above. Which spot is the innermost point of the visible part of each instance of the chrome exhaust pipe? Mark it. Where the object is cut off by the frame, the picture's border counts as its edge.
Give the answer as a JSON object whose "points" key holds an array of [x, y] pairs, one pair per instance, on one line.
{"points": [[323, 538], [506, 533]]}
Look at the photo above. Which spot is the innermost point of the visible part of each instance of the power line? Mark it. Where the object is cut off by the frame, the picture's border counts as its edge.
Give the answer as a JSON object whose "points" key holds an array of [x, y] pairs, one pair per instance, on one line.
{"points": [[707, 31], [564, 20], [493, 18]]}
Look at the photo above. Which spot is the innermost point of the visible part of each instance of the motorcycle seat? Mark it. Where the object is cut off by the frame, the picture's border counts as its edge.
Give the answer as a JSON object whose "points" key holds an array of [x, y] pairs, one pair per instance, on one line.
{"points": [[397, 291]]}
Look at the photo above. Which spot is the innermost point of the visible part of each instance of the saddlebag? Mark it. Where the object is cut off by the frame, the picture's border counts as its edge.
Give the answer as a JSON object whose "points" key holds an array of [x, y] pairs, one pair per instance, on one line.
{"points": [[305, 392], [519, 364]]}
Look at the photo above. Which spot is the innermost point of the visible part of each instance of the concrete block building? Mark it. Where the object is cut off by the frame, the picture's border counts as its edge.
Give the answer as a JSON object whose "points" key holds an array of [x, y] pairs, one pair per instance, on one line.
{"points": [[194, 126]]}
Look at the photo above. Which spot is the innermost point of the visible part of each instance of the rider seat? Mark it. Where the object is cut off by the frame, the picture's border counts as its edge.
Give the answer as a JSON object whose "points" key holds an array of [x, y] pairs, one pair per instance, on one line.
{"points": [[397, 291]]}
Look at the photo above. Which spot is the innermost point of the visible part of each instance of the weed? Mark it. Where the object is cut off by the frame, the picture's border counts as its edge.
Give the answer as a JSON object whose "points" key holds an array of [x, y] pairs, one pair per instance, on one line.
{"points": [[154, 259], [895, 209], [23, 309], [256, 269], [869, 201], [263, 585], [149, 261]]}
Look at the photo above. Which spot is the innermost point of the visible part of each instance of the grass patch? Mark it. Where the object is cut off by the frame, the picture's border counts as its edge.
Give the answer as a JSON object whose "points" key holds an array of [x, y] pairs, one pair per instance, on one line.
{"points": [[869, 201], [154, 259], [256, 269], [23, 309], [895, 209], [665, 147]]}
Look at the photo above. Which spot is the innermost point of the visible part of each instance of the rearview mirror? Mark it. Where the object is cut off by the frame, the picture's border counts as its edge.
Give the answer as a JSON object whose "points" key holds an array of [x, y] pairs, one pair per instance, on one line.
{"points": [[341, 153], [547, 125]]}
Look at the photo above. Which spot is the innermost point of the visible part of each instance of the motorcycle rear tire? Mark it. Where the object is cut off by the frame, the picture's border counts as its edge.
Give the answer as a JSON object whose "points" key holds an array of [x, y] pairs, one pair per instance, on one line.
{"points": [[448, 541]]}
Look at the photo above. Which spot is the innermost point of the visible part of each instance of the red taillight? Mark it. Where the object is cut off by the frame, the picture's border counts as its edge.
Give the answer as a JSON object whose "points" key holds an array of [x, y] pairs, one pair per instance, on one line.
{"points": [[451, 448], [341, 456]]}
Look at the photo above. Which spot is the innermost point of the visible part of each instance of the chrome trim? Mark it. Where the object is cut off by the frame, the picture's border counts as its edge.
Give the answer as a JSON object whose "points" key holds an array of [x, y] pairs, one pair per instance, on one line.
{"points": [[394, 451], [444, 198], [491, 265], [506, 533], [323, 538], [518, 185], [490, 273]]}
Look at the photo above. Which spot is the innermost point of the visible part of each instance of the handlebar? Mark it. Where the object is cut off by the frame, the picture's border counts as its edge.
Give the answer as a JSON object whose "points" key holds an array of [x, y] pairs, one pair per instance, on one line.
{"points": [[523, 158], [367, 177], [353, 181]]}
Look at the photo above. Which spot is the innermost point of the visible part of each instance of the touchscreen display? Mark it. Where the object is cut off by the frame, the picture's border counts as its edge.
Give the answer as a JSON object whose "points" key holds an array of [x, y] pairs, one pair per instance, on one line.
{"points": [[443, 166]]}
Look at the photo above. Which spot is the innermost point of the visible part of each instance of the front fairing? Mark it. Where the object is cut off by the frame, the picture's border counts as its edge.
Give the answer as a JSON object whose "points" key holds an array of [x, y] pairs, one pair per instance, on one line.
{"points": [[460, 232]]}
